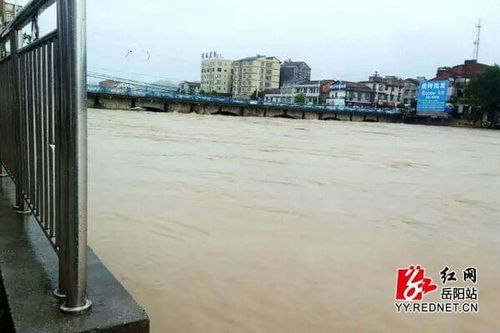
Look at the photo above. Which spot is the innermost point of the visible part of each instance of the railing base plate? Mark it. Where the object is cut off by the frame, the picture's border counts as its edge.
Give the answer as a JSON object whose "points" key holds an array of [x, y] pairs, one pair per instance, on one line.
{"points": [[58, 294], [24, 212], [75, 310], [4, 175]]}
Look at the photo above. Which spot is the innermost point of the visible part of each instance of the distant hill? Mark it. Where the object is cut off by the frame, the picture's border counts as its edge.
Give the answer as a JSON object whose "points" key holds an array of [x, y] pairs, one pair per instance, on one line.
{"points": [[167, 84]]}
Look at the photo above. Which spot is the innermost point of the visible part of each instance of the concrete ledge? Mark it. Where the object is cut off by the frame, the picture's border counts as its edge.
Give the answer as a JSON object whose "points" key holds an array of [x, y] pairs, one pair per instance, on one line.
{"points": [[28, 274]]}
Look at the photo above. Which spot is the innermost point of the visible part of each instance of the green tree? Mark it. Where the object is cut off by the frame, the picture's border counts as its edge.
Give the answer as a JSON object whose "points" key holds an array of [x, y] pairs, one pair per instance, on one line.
{"points": [[483, 94], [254, 95], [300, 98]]}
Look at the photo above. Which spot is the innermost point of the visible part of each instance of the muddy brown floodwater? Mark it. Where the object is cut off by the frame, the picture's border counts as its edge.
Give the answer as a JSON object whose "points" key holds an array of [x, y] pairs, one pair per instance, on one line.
{"points": [[230, 224]]}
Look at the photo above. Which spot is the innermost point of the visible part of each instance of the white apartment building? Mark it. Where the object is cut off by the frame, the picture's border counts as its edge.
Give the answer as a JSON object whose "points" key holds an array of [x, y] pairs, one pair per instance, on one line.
{"points": [[255, 75], [347, 93], [216, 74]]}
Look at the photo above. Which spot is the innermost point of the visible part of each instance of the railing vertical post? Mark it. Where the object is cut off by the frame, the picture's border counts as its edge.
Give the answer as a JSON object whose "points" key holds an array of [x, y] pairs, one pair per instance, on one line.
{"points": [[72, 64], [18, 125], [3, 173]]}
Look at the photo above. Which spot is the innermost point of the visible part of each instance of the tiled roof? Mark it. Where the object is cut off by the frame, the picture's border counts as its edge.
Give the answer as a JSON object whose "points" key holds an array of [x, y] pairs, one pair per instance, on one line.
{"points": [[469, 69]]}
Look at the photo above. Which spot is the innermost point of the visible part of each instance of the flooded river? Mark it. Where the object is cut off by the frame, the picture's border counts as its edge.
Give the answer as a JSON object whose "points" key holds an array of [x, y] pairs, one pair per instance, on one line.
{"points": [[229, 224]]}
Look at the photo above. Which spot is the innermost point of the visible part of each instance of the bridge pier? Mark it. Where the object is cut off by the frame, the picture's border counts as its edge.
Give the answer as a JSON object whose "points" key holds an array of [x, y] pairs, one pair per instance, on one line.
{"points": [[179, 107], [149, 104], [197, 108], [210, 109], [271, 113], [114, 103], [249, 111], [294, 114], [310, 115], [230, 110], [330, 116]]}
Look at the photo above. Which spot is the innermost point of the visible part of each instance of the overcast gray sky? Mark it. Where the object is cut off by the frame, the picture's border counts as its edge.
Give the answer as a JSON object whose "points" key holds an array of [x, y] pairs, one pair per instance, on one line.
{"points": [[346, 40]]}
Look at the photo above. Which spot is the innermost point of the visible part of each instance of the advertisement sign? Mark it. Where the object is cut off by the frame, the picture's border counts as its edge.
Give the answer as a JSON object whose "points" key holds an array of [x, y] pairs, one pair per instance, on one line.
{"points": [[325, 87], [339, 85], [432, 96]]}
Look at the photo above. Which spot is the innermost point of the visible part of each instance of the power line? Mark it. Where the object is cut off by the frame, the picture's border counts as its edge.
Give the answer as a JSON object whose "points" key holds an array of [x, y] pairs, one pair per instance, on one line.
{"points": [[133, 73]]}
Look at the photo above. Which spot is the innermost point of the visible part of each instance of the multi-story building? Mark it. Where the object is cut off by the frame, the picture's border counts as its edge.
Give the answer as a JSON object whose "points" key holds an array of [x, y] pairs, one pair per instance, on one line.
{"points": [[7, 12], [316, 92], [216, 74], [286, 94], [346, 93], [410, 91], [188, 87], [459, 77], [292, 71], [387, 91], [254, 75], [391, 91]]}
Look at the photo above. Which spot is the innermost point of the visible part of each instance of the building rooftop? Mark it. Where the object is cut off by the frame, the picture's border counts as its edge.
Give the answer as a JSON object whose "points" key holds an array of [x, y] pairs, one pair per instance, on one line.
{"points": [[191, 82], [315, 82], [355, 86], [290, 63], [468, 69], [257, 57]]}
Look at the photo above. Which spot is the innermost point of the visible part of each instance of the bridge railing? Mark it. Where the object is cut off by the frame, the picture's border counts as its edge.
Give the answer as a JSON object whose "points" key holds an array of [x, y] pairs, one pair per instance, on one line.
{"points": [[43, 138]]}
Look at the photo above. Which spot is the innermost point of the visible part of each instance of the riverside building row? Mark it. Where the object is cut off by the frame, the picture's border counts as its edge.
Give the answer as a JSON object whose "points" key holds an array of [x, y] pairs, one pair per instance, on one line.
{"points": [[247, 77], [269, 78], [389, 91]]}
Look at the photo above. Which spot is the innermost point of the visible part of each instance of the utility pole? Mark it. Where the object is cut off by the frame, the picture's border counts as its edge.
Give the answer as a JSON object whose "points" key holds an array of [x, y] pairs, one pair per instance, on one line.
{"points": [[477, 41]]}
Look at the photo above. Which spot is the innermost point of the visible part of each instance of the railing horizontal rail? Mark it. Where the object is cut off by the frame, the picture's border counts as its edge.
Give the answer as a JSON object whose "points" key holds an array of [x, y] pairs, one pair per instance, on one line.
{"points": [[31, 9], [43, 40]]}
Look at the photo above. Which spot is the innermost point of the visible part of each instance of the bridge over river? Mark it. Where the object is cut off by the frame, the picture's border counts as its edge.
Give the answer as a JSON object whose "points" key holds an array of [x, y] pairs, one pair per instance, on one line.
{"points": [[170, 101], [162, 100]]}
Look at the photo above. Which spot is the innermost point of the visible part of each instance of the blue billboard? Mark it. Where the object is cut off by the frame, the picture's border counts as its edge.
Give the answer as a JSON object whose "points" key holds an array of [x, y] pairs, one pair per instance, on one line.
{"points": [[432, 96]]}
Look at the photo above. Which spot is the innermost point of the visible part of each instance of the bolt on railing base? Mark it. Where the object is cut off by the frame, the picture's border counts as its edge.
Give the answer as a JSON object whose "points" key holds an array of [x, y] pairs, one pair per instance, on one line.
{"points": [[58, 294], [77, 309], [23, 211]]}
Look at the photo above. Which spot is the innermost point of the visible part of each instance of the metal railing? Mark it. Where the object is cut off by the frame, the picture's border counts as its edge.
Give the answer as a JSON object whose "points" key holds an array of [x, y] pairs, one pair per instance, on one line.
{"points": [[43, 138]]}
